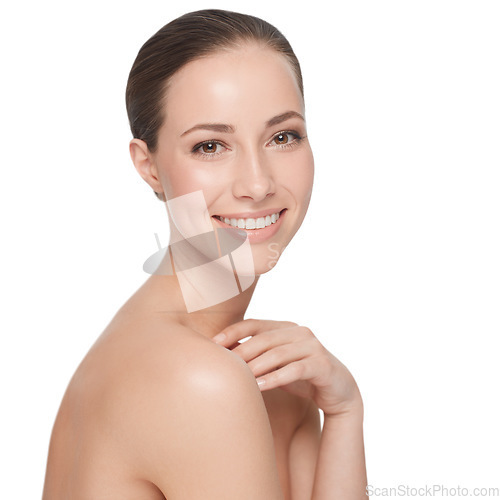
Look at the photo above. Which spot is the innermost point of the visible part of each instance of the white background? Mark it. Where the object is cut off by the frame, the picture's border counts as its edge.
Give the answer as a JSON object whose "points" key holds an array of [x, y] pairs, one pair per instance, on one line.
{"points": [[395, 269]]}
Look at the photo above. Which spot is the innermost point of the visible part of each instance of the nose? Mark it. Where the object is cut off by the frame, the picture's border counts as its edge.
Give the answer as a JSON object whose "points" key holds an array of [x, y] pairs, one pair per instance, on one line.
{"points": [[254, 179]]}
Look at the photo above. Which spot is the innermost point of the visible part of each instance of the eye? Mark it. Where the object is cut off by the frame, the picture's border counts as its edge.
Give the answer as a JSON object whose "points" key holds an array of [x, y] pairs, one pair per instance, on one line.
{"points": [[208, 148], [286, 139]]}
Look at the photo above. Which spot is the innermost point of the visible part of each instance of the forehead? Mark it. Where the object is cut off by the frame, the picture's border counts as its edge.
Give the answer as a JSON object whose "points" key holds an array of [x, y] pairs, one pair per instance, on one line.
{"points": [[248, 84]]}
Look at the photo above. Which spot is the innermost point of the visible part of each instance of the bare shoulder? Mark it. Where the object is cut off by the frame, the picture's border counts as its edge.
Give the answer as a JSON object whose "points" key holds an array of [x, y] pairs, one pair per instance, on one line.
{"points": [[180, 406], [139, 356]]}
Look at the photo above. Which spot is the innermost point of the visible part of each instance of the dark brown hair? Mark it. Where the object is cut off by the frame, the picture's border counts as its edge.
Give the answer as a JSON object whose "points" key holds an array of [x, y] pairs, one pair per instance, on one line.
{"points": [[186, 38]]}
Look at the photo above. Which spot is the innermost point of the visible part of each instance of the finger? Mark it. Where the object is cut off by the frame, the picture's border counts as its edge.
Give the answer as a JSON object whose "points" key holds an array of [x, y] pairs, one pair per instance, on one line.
{"points": [[298, 370], [270, 339], [288, 338], [245, 328], [279, 356]]}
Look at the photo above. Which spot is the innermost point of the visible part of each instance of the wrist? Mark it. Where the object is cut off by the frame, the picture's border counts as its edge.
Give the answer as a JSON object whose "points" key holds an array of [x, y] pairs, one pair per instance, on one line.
{"points": [[350, 411]]}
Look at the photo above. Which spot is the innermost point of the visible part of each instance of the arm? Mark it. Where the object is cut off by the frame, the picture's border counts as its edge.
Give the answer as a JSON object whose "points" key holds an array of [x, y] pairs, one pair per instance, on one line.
{"points": [[304, 449], [283, 354], [329, 463], [341, 471]]}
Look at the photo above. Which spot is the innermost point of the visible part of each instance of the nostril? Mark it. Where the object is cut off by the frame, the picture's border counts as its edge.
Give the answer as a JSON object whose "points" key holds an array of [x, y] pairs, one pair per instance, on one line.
{"points": [[253, 188]]}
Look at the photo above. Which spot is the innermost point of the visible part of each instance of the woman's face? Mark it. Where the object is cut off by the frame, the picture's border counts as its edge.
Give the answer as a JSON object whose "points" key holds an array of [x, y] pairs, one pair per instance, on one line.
{"points": [[234, 130]]}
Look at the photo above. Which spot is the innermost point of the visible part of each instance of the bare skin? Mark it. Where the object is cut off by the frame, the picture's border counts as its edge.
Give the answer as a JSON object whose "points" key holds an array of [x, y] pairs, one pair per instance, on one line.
{"points": [[158, 409], [92, 451]]}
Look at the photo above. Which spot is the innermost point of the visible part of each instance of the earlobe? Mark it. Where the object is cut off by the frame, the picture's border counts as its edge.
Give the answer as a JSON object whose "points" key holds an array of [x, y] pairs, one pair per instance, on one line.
{"points": [[144, 164]]}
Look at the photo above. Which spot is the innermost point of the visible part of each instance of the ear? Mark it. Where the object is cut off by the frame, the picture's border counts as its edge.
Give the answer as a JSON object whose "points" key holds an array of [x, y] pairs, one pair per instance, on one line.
{"points": [[144, 164]]}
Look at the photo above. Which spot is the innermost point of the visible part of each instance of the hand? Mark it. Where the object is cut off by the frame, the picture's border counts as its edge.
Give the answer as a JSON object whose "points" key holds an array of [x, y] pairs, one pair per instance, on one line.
{"points": [[285, 355]]}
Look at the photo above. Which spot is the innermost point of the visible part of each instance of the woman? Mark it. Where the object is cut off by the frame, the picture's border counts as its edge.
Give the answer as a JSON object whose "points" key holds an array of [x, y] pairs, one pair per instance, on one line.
{"points": [[168, 403]]}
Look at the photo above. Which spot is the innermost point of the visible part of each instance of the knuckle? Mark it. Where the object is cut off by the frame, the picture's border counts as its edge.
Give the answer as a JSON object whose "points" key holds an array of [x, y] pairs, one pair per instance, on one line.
{"points": [[306, 331], [273, 357], [324, 364], [299, 369], [286, 349]]}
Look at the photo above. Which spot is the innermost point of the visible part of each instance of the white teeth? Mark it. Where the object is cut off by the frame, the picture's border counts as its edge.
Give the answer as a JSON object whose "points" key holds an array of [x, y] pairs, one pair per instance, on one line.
{"points": [[250, 223]]}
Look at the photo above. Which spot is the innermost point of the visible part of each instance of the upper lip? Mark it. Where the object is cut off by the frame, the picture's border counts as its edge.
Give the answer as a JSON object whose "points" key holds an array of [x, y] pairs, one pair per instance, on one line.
{"points": [[251, 215]]}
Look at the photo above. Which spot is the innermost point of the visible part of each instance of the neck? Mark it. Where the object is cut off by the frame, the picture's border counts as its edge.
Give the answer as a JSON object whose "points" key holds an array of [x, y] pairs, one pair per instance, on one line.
{"points": [[168, 299]]}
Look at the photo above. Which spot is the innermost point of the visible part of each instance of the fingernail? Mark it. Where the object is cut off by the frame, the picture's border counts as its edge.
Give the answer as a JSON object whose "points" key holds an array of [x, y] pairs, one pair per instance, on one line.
{"points": [[261, 382], [220, 337]]}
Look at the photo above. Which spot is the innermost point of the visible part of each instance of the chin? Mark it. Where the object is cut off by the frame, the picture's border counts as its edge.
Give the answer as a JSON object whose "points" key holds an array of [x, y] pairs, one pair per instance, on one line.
{"points": [[263, 270]]}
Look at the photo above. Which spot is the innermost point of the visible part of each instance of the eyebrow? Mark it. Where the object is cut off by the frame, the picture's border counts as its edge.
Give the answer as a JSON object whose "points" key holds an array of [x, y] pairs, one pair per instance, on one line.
{"points": [[229, 129]]}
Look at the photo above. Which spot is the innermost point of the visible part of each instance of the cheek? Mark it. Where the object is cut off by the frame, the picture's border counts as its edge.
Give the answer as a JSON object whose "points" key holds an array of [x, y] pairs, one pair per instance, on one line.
{"points": [[299, 177], [178, 180]]}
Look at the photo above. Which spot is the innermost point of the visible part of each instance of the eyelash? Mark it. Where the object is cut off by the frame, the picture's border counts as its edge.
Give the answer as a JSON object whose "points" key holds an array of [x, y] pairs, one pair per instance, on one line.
{"points": [[195, 151]]}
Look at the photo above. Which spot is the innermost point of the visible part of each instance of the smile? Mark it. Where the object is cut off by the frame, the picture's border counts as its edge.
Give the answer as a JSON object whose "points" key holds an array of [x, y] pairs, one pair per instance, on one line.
{"points": [[259, 228], [250, 222]]}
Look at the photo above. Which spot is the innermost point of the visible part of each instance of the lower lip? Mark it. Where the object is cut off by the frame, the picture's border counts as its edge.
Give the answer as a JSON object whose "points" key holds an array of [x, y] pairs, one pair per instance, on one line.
{"points": [[258, 235]]}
